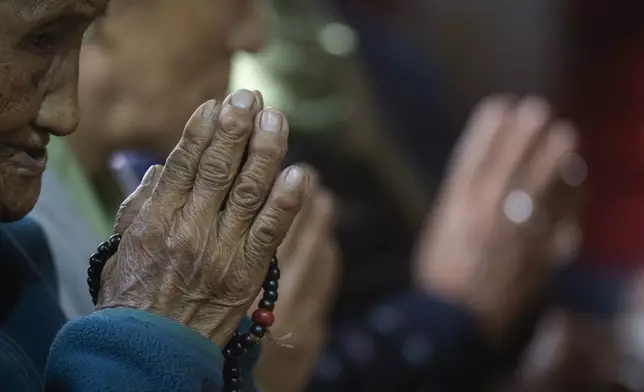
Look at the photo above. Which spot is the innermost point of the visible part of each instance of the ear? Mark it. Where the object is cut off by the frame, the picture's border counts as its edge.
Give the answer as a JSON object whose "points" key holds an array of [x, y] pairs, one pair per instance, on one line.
{"points": [[251, 32]]}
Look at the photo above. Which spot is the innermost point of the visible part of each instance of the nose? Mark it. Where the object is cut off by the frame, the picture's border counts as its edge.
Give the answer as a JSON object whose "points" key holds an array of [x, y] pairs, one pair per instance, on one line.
{"points": [[59, 111]]}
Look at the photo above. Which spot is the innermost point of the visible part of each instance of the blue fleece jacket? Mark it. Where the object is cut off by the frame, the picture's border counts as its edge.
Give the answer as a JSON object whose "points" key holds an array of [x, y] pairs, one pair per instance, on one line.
{"points": [[132, 350], [110, 350]]}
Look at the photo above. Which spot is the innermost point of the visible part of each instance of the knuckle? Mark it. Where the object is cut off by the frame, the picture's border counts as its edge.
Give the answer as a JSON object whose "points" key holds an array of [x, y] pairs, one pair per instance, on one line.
{"points": [[196, 134], [234, 125], [181, 159], [260, 164], [249, 193], [125, 206], [145, 231], [265, 234], [287, 201], [215, 170], [268, 152], [204, 128]]}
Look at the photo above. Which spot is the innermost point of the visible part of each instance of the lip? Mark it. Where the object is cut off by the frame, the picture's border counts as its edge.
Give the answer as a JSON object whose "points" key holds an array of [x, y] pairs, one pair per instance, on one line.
{"points": [[28, 161]]}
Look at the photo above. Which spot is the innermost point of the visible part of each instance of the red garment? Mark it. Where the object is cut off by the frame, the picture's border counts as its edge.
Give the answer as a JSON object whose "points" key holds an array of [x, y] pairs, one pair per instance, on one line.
{"points": [[613, 144]]}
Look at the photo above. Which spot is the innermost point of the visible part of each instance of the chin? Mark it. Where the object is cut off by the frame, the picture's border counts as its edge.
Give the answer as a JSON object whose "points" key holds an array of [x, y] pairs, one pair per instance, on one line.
{"points": [[19, 196]]}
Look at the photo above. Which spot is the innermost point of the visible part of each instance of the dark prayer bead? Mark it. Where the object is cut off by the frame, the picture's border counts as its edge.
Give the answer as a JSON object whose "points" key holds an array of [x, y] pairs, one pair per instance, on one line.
{"points": [[95, 260], [114, 241], [270, 285], [273, 273], [257, 330], [232, 372], [270, 295], [104, 250], [265, 304], [234, 383], [94, 274], [237, 350], [248, 340]]}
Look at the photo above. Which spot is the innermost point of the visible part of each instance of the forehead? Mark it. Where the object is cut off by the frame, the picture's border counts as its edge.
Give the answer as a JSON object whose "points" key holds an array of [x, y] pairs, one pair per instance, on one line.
{"points": [[36, 11]]}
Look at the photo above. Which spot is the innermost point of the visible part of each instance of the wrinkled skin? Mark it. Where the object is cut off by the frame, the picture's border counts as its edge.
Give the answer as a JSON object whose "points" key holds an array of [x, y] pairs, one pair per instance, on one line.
{"points": [[148, 64], [38, 79], [309, 261], [199, 248], [470, 252]]}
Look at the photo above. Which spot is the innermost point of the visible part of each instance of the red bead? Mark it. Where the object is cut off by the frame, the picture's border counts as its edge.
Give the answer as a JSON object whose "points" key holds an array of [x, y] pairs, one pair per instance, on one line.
{"points": [[263, 317]]}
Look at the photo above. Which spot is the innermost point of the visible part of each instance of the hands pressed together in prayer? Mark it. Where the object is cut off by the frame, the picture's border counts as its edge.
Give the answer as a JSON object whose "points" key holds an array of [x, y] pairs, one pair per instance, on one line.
{"points": [[198, 235], [198, 249]]}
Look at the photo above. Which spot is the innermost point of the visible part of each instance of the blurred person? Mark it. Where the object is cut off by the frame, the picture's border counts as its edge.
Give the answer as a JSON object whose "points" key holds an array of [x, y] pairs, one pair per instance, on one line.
{"points": [[606, 60], [137, 339], [138, 85], [484, 264]]}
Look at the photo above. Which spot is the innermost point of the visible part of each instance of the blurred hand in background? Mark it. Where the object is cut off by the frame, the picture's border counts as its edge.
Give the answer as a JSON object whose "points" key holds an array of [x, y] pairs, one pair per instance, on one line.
{"points": [[310, 263], [490, 243]]}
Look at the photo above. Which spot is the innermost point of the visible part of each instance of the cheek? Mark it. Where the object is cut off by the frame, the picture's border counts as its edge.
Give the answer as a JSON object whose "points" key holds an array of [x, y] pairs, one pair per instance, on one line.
{"points": [[20, 96]]}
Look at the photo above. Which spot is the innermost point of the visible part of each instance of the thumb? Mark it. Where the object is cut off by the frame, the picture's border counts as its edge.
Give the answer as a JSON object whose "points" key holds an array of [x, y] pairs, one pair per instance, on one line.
{"points": [[130, 208]]}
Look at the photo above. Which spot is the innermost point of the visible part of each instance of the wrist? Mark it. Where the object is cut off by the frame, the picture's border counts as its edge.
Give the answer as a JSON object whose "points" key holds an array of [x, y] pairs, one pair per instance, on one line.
{"points": [[219, 327], [491, 321]]}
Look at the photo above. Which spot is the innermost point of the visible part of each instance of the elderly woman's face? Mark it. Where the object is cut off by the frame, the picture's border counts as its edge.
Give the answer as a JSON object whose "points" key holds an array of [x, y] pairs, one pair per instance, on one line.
{"points": [[149, 64], [39, 44]]}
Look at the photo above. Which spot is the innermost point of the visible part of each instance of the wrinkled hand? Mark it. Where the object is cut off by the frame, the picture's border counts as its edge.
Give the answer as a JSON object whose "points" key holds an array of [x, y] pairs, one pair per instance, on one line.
{"points": [[489, 243], [310, 261], [199, 248]]}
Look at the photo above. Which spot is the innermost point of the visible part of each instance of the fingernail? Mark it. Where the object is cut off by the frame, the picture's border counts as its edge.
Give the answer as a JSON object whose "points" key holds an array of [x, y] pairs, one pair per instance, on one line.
{"points": [[534, 108], [149, 174], [294, 177], [242, 99], [209, 109], [270, 121], [574, 170]]}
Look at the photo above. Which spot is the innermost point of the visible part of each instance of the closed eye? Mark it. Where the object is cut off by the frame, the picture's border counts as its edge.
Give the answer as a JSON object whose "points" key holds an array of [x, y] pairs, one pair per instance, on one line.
{"points": [[55, 36]]}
